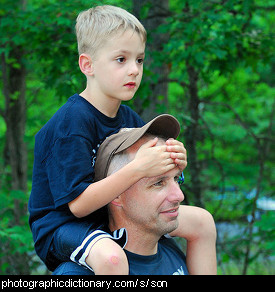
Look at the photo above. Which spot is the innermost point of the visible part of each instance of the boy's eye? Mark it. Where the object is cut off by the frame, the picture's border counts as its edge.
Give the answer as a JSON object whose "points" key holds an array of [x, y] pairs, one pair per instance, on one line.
{"points": [[140, 61], [120, 60]]}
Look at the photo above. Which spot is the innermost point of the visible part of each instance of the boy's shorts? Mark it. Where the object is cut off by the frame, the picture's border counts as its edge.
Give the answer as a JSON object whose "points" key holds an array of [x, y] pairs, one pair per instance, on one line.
{"points": [[74, 240]]}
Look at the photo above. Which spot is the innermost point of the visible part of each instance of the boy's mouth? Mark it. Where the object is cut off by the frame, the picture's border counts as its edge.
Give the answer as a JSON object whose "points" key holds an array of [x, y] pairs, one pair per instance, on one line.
{"points": [[130, 85]]}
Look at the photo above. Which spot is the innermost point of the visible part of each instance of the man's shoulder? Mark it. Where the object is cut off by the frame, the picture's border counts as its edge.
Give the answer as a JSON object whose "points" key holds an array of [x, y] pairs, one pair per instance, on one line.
{"points": [[173, 255], [170, 243]]}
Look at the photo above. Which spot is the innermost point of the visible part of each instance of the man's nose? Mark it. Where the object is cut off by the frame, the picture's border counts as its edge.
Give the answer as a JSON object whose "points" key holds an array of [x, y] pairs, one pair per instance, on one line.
{"points": [[175, 193]]}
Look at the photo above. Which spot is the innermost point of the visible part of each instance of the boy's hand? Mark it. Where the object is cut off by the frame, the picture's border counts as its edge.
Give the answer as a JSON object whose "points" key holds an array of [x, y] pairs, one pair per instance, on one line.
{"points": [[152, 160], [178, 153]]}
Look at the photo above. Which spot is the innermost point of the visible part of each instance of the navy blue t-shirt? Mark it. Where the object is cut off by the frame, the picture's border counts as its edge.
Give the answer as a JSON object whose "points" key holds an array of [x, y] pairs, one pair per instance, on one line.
{"points": [[64, 157], [169, 260]]}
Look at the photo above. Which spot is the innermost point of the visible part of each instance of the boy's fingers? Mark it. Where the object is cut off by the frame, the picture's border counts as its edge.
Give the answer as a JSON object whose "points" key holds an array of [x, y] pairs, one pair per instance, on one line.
{"points": [[150, 143], [180, 156], [176, 148], [172, 141]]}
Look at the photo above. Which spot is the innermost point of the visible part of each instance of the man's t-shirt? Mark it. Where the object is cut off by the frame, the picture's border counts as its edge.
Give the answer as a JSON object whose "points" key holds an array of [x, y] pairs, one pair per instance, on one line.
{"points": [[169, 260], [64, 157]]}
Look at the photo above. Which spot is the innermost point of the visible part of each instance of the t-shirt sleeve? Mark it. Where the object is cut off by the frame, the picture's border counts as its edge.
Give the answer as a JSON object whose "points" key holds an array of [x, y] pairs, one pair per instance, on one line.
{"points": [[70, 168]]}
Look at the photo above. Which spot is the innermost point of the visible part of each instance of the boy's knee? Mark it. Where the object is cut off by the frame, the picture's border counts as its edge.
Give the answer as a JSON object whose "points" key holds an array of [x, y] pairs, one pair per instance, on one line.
{"points": [[107, 257], [114, 262], [207, 224], [117, 258]]}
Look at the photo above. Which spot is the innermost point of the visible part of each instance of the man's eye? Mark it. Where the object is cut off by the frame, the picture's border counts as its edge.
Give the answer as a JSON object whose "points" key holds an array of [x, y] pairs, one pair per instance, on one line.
{"points": [[158, 183], [120, 60]]}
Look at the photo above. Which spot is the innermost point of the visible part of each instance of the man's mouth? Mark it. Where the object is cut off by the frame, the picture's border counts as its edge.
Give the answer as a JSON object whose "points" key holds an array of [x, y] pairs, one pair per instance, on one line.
{"points": [[173, 212]]}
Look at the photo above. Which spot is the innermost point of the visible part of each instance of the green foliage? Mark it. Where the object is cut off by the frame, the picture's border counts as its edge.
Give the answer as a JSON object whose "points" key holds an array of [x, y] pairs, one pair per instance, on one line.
{"points": [[267, 227], [15, 239], [229, 44]]}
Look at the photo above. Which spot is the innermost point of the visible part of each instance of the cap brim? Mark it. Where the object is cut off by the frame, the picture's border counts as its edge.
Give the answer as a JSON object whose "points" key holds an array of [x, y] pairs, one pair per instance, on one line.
{"points": [[165, 126]]}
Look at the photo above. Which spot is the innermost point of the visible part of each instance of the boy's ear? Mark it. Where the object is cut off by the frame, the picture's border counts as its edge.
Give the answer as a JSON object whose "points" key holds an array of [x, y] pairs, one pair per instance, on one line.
{"points": [[85, 64]]}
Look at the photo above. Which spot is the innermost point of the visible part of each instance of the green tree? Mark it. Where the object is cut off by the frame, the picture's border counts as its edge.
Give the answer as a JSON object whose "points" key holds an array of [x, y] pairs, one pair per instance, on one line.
{"points": [[210, 39], [209, 63]]}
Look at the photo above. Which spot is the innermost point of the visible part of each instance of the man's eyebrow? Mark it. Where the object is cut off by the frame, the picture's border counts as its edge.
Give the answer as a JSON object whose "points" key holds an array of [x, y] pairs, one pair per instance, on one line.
{"points": [[162, 177], [154, 179]]}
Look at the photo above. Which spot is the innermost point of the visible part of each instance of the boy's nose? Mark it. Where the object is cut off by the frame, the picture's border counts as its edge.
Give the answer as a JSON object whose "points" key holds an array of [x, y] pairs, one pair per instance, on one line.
{"points": [[133, 69]]}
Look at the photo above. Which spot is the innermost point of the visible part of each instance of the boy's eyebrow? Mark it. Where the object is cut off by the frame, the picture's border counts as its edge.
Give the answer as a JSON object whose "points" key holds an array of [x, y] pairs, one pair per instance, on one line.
{"points": [[122, 51]]}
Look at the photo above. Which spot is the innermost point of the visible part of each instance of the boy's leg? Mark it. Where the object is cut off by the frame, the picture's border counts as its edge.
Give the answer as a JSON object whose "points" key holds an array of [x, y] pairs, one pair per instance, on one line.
{"points": [[76, 241], [107, 258], [197, 226]]}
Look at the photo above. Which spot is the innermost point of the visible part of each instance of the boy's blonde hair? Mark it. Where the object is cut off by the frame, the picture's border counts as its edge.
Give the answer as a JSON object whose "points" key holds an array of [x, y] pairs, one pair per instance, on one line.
{"points": [[95, 25]]}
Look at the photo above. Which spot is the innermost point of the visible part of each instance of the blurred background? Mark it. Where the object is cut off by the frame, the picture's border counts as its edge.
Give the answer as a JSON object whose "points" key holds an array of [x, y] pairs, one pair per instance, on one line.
{"points": [[210, 63]]}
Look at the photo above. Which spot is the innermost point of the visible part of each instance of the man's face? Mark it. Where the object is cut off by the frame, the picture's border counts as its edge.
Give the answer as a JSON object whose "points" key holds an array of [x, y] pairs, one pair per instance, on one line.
{"points": [[118, 66], [152, 203]]}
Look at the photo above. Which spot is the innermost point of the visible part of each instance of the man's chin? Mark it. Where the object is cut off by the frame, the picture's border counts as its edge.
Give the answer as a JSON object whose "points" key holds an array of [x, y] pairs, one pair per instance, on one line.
{"points": [[169, 227]]}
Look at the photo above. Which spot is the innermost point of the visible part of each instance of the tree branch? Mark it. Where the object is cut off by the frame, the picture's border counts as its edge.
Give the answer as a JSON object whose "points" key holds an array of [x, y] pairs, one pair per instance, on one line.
{"points": [[6, 90], [174, 80]]}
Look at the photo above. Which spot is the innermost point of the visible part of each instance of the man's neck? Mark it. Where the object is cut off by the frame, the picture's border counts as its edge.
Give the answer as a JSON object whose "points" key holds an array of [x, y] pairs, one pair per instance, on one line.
{"points": [[139, 241]]}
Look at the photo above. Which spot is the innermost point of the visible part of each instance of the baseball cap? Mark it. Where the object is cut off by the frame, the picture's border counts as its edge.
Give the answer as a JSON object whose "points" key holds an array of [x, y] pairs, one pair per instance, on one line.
{"points": [[164, 125]]}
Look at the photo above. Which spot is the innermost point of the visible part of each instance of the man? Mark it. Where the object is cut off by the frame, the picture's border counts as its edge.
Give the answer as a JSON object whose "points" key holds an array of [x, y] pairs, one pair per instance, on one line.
{"points": [[149, 209]]}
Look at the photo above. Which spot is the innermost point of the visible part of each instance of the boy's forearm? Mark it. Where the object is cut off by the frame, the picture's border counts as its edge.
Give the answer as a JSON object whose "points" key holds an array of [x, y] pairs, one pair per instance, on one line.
{"points": [[194, 222], [100, 193], [201, 256], [197, 226]]}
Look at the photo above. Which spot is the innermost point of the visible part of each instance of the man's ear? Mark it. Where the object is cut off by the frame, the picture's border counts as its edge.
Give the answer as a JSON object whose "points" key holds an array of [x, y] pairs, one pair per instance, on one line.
{"points": [[85, 64], [117, 201]]}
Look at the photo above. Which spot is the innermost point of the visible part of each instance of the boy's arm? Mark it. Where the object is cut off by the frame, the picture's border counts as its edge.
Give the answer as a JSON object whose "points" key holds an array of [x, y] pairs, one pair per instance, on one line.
{"points": [[150, 160], [99, 194], [197, 226]]}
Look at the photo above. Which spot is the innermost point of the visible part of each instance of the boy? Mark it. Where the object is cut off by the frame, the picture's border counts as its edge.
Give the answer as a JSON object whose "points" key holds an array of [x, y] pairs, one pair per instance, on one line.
{"points": [[65, 203]]}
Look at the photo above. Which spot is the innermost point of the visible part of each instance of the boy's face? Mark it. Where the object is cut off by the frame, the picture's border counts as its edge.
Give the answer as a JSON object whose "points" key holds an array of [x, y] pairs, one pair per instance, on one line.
{"points": [[118, 67]]}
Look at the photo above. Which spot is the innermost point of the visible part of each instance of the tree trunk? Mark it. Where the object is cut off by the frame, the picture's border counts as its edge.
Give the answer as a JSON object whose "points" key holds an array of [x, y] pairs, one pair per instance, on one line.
{"points": [[14, 114], [157, 14], [192, 134], [14, 77]]}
